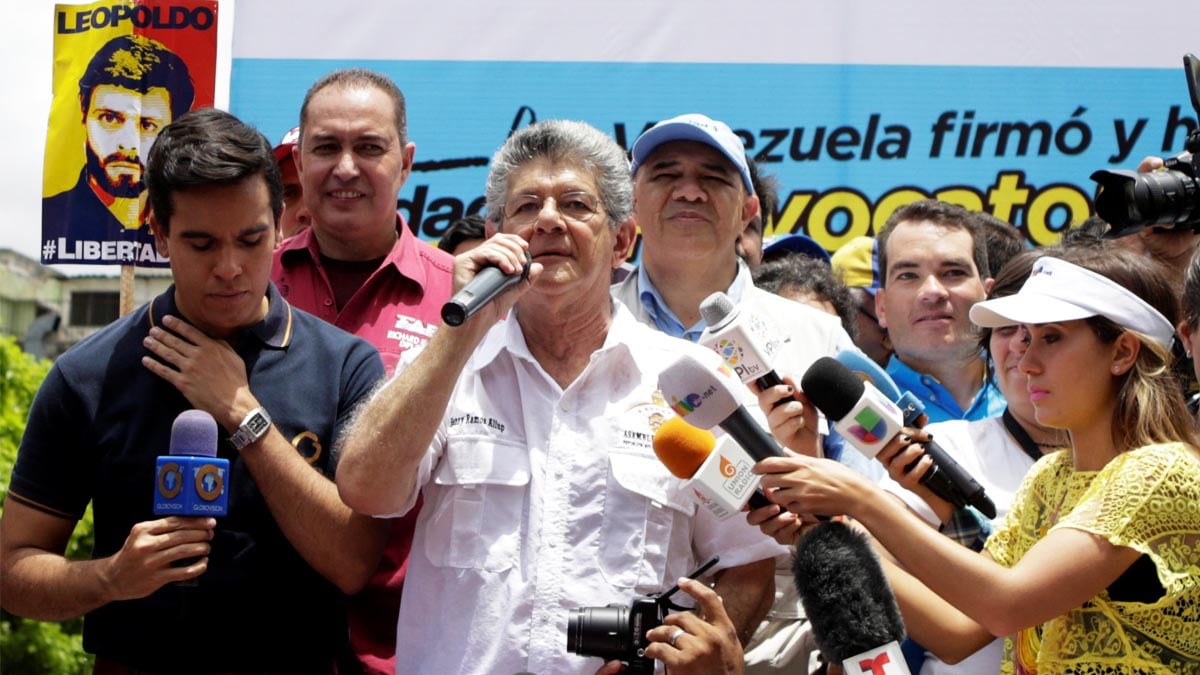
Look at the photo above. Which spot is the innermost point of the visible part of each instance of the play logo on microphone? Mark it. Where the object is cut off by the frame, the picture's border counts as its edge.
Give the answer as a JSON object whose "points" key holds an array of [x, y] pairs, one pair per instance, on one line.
{"points": [[729, 350]]}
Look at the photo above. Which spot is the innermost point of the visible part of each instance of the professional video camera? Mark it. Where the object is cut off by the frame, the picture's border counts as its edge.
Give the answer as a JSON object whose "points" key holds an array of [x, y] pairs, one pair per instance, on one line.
{"points": [[1129, 201], [619, 631]]}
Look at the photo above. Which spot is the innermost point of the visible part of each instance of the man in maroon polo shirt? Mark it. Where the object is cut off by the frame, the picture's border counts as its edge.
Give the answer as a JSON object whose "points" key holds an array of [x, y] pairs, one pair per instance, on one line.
{"points": [[361, 268]]}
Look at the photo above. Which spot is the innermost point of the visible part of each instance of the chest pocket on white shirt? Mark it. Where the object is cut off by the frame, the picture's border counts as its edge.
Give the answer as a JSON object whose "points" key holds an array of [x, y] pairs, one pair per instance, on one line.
{"points": [[476, 522], [645, 514]]}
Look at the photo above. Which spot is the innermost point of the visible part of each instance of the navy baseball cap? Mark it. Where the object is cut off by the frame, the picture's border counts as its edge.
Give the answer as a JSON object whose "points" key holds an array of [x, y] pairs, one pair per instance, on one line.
{"points": [[777, 247]]}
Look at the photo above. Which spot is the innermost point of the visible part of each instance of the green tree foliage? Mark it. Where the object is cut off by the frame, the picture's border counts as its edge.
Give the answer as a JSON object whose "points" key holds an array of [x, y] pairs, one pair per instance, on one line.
{"points": [[29, 647]]}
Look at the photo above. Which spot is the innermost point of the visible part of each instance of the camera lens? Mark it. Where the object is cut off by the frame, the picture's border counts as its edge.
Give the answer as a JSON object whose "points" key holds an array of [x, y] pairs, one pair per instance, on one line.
{"points": [[1130, 201], [599, 631]]}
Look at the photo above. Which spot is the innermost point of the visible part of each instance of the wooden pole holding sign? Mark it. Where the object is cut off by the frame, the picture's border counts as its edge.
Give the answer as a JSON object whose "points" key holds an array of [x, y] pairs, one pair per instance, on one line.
{"points": [[128, 274]]}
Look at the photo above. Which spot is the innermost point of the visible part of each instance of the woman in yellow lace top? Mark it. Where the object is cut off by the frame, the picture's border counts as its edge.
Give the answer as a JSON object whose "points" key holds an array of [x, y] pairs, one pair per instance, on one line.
{"points": [[1096, 569]]}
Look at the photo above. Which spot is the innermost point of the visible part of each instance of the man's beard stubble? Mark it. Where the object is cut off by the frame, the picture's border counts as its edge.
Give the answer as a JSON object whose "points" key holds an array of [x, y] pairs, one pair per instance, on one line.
{"points": [[127, 187]]}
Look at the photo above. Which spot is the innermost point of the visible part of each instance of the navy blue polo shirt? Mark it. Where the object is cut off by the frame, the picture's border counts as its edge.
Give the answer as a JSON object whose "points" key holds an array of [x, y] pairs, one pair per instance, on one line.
{"points": [[96, 426]]}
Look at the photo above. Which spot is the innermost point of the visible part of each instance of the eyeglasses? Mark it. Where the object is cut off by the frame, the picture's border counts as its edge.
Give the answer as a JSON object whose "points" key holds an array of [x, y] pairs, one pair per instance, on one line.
{"points": [[577, 207]]}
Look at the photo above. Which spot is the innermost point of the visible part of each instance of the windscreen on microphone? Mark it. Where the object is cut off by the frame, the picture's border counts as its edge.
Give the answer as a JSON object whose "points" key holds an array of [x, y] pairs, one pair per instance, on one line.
{"points": [[682, 448], [194, 432], [832, 387], [716, 309], [845, 594]]}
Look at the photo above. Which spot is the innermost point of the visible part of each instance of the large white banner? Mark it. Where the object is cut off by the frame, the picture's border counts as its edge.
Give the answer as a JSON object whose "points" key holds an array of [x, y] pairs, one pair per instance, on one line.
{"points": [[856, 107]]}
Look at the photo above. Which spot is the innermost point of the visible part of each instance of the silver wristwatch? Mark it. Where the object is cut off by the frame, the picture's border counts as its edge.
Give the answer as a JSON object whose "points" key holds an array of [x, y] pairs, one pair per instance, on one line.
{"points": [[255, 426]]}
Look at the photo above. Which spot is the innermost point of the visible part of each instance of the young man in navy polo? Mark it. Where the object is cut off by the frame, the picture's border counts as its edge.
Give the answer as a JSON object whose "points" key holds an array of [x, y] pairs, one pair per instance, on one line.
{"points": [[259, 589]]}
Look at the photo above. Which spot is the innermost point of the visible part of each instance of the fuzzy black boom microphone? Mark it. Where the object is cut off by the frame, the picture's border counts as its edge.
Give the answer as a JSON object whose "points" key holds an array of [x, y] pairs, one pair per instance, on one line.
{"points": [[855, 620]]}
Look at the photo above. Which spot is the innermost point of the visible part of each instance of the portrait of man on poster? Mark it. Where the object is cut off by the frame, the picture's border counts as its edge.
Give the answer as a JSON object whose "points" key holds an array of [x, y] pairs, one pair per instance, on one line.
{"points": [[132, 88]]}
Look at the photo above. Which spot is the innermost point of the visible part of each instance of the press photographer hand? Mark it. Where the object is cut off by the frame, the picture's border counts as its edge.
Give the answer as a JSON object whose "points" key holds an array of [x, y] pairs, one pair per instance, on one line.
{"points": [[700, 642]]}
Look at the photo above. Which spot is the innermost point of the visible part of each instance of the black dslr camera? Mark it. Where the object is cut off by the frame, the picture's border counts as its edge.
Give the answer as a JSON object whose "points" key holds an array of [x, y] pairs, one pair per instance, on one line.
{"points": [[619, 631], [1129, 201]]}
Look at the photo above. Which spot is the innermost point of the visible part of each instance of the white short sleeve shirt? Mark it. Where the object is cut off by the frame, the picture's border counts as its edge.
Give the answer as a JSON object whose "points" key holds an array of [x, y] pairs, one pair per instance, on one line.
{"points": [[539, 501]]}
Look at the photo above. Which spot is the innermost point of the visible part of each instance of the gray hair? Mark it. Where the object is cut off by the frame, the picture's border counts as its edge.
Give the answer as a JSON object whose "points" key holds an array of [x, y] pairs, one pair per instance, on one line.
{"points": [[564, 141]]}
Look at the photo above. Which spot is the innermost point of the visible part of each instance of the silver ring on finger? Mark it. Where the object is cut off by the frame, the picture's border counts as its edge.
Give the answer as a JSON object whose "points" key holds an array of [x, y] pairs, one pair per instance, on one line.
{"points": [[676, 634]]}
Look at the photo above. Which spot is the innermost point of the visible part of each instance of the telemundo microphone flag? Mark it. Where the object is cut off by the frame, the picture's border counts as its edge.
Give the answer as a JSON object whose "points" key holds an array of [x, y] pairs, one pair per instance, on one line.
{"points": [[123, 70]]}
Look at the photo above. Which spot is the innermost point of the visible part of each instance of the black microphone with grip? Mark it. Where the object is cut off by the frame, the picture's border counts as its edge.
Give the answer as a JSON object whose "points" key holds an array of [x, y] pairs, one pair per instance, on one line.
{"points": [[847, 598], [487, 284], [868, 421], [191, 481]]}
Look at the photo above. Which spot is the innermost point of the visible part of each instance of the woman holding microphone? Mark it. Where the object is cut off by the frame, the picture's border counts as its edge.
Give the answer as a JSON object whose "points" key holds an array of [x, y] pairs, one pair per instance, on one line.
{"points": [[1096, 568]]}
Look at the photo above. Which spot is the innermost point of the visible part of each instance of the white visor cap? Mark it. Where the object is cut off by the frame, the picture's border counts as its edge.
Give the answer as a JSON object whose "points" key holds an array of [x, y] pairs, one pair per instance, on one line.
{"points": [[1061, 291]]}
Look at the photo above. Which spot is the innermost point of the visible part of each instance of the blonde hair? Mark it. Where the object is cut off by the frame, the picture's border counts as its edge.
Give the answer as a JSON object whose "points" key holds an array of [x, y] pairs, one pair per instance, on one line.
{"points": [[1150, 404], [1150, 407]]}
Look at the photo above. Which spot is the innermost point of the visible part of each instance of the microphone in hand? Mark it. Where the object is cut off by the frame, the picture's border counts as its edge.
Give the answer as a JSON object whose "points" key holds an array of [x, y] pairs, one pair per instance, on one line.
{"points": [[847, 598], [718, 473], [869, 421], [746, 342], [488, 283], [192, 481]]}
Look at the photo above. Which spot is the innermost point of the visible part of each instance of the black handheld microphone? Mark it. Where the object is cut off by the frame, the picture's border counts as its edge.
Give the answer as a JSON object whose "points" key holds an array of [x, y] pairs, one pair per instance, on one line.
{"points": [[855, 620], [700, 390], [868, 421], [487, 284], [191, 481]]}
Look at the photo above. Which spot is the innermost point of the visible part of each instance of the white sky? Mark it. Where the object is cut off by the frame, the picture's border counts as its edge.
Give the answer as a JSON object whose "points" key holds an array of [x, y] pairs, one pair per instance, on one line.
{"points": [[26, 45]]}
